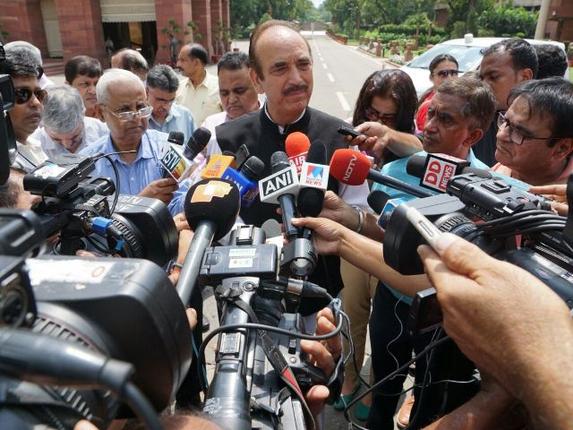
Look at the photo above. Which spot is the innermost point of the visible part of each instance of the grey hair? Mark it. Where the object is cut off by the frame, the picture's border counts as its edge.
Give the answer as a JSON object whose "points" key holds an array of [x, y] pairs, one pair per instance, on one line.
{"points": [[113, 75], [63, 109], [163, 78], [20, 45]]}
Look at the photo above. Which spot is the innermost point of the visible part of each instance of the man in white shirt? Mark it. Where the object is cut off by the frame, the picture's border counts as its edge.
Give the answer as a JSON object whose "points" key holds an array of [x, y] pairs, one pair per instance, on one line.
{"points": [[199, 90], [66, 129]]}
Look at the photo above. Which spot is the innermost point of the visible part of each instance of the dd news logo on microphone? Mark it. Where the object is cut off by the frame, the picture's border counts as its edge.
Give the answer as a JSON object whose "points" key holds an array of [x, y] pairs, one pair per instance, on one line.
{"points": [[438, 171]]}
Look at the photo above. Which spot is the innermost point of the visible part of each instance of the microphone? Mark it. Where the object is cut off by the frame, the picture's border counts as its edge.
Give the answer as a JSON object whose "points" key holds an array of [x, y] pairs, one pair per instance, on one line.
{"points": [[246, 179], [176, 137], [196, 143], [297, 145], [211, 207], [216, 166], [435, 170], [377, 199], [313, 181], [353, 168], [281, 187]]}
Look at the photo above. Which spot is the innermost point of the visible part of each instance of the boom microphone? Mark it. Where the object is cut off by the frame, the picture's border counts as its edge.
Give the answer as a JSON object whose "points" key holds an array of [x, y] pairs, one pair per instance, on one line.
{"points": [[211, 207], [353, 168], [297, 145], [435, 170]]}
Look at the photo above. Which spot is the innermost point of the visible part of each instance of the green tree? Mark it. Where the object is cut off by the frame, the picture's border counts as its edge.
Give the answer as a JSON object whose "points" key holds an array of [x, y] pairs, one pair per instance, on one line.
{"points": [[505, 20], [466, 12]]}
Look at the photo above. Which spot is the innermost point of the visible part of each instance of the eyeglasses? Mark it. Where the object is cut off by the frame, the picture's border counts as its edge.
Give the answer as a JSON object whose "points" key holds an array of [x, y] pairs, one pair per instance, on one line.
{"points": [[385, 118], [515, 135], [23, 95], [446, 73], [144, 112]]}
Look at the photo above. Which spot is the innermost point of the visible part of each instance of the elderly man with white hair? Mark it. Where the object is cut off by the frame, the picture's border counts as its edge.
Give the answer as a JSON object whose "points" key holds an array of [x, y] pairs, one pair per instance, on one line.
{"points": [[133, 149], [66, 128]]}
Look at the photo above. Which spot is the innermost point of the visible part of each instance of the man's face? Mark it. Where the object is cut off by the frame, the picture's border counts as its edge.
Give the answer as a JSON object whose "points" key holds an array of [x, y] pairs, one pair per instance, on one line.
{"points": [[286, 67], [125, 96], [497, 71], [525, 125], [87, 88], [237, 93], [71, 141], [160, 101], [185, 63], [447, 131], [26, 115]]}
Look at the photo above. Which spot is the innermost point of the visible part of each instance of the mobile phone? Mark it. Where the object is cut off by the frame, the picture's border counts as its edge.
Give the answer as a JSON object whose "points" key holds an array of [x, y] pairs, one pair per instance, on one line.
{"points": [[347, 131], [424, 226]]}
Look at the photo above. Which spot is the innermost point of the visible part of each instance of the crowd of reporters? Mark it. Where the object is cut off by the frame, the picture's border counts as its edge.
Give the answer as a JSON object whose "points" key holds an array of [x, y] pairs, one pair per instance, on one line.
{"points": [[504, 322]]}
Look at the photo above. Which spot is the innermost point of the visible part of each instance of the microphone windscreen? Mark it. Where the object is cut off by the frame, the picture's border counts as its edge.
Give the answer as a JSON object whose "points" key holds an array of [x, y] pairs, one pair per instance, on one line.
{"points": [[176, 137], [349, 167], [253, 168], [377, 200], [317, 153], [416, 166], [279, 161], [215, 200], [196, 143], [309, 201], [296, 143], [272, 228]]}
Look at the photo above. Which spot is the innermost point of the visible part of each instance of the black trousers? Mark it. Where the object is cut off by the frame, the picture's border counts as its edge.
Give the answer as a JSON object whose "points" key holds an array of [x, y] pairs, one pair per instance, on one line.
{"points": [[392, 347]]}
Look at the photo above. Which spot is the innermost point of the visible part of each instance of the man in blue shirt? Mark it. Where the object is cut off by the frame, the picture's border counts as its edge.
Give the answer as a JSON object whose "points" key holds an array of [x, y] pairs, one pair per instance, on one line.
{"points": [[134, 150], [162, 83]]}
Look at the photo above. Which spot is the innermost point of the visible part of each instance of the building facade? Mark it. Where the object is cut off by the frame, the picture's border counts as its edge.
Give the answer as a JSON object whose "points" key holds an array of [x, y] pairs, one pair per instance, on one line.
{"points": [[65, 28]]}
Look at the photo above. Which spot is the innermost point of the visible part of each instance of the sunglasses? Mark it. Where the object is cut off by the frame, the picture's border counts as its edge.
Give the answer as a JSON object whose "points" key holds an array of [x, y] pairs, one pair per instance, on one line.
{"points": [[446, 73], [23, 95]]}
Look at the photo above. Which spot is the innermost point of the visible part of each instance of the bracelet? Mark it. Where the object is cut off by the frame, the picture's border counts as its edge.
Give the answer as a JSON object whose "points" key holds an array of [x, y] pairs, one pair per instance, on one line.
{"points": [[358, 229]]}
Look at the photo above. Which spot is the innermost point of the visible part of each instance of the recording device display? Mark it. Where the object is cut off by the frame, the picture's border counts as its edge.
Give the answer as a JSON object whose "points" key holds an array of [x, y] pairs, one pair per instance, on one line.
{"points": [[505, 222], [348, 131]]}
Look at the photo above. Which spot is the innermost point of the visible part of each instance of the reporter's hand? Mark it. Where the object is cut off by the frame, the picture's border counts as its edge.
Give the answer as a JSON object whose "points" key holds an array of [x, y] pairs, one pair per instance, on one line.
{"points": [[374, 138], [161, 189], [84, 425], [192, 318], [323, 355], [500, 316], [336, 209], [327, 234], [185, 237], [557, 193], [181, 222]]}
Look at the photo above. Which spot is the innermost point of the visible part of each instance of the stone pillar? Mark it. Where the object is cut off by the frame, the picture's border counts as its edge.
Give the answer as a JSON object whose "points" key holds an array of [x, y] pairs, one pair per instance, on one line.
{"points": [[225, 5], [22, 20], [217, 27], [202, 17], [81, 29], [171, 10]]}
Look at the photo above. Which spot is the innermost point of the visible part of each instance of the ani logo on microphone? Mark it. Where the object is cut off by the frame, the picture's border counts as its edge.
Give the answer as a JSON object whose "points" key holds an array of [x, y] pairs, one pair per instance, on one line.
{"points": [[314, 175], [281, 182]]}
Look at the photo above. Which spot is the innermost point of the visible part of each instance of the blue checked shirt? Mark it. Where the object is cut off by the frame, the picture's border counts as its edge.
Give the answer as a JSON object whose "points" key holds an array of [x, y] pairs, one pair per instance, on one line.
{"points": [[134, 177], [178, 119]]}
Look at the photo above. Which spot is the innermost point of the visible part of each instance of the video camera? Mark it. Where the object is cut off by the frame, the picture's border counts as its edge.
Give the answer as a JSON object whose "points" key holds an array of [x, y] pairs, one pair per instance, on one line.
{"points": [[505, 222], [261, 375]]}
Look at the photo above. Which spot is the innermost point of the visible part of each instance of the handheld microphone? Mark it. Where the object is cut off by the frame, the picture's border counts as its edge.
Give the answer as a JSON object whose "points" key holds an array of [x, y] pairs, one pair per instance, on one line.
{"points": [[435, 170], [196, 143], [246, 179], [297, 145], [216, 166], [211, 207], [281, 187], [176, 137], [353, 168]]}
